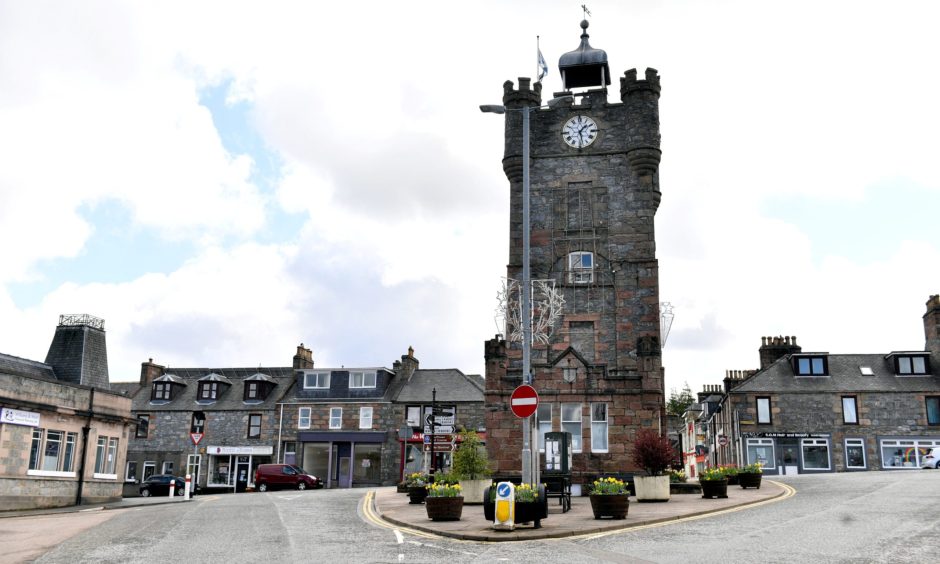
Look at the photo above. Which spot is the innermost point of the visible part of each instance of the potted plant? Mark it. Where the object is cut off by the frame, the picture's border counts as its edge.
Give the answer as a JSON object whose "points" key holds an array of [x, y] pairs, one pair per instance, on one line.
{"points": [[714, 483], [417, 487], [610, 497], [444, 501], [653, 453], [472, 467], [750, 475]]}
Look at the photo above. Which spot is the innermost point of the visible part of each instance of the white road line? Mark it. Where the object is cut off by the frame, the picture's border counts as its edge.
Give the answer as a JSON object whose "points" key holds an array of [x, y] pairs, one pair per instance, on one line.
{"points": [[399, 536]]}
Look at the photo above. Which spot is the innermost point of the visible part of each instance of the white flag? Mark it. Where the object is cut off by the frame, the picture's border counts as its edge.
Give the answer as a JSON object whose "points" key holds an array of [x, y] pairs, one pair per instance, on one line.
{"points": [[543, 68]]}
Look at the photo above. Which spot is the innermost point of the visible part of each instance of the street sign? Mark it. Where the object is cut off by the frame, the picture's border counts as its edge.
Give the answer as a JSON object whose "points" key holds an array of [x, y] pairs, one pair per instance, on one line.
{"points": [[439, 430], [196, 437], [723, 440], [439, 439], [440, 447], [442, 415], [524, 401]]}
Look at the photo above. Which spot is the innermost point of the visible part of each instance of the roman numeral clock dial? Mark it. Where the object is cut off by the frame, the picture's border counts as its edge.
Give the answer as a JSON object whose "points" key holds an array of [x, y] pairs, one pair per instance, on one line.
{"points": [[579, 131]]}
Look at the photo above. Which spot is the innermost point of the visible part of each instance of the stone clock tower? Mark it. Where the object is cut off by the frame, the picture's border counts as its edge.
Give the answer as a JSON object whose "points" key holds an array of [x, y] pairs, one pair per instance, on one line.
{"points": [[594, 191]]}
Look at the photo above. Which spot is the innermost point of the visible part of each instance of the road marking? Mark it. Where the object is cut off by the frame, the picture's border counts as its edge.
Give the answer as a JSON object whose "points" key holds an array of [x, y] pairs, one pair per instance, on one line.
{"points": [[789, 491], [369, 514], [288, 497], [399, 536]]}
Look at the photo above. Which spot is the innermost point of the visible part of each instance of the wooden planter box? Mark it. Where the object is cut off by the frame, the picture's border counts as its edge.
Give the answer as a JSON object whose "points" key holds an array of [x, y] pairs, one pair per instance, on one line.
{"points": [[444, 508], [417, 494], [714, 488], [613, 506], [749, 479]]}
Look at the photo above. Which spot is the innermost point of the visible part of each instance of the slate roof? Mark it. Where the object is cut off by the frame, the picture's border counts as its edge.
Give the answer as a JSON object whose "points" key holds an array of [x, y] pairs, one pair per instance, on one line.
{"points": [[844, 376], [23, 367], [229, 399], [126, 389], [451, 385]]}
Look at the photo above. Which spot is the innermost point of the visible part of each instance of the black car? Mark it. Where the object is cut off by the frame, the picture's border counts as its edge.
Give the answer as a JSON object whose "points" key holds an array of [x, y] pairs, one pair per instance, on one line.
{"points": [[159, 484]]}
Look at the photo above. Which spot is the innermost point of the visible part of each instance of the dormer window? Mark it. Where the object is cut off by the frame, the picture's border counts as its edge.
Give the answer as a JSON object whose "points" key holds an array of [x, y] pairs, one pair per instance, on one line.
{"points": [[161, 391], [316, 380], [811, 365], [362, 379], [911, 365], [581, 268], [208, 391], [257, 387]]}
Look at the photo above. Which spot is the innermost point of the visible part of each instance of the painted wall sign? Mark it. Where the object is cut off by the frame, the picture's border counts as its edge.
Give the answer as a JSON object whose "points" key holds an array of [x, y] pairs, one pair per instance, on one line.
{"points": [[240, 450], [19, 417], [786, 435]]}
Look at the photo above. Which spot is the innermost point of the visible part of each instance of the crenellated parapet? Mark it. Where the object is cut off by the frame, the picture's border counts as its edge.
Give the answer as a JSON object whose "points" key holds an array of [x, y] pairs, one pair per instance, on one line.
{"points": [[630, 85], [529, 95]]}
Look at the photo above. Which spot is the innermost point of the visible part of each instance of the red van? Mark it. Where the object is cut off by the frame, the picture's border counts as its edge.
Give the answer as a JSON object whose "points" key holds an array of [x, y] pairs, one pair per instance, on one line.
{"points": [[276, 476]]}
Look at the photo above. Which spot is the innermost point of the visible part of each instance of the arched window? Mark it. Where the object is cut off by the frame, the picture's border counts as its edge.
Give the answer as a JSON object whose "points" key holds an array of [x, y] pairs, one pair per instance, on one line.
{"points": [[581, 267]]}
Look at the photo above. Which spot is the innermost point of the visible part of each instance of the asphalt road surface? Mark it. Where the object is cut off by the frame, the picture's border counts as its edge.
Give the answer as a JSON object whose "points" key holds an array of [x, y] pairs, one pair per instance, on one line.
{"points": [[853, 517]]}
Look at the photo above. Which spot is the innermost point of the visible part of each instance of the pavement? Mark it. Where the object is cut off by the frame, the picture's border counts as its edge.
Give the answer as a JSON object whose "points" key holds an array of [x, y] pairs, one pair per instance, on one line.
{"points": [[394, 508], [124, 503]]}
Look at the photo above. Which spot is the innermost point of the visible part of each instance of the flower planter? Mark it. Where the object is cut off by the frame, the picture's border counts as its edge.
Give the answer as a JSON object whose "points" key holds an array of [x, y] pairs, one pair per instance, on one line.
{"points": [[417, 494], [651, 488], [531, 512], [732, 479], [714, 488], [749, 479], [614, 506], [402, 488], [444, 508]]}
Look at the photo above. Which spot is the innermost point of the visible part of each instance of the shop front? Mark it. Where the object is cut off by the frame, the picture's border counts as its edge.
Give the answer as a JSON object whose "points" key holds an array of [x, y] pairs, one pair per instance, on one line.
{"points": [[786, 453], [233, 467], [905, 453], [343, 459]]}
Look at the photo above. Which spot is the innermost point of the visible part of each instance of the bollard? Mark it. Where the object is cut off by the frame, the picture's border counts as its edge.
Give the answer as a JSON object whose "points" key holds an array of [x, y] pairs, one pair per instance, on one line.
{"points": [[188, 486], [505, 509], [172, 487]]}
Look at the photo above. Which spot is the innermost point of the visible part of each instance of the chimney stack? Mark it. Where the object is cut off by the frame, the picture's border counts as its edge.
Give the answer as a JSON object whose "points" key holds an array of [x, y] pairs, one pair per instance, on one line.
{"points": [[774, 348], [149, 371], [303, 359]]}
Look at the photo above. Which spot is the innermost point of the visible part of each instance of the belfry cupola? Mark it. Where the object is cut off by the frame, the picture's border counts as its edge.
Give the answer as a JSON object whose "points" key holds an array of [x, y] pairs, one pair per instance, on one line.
{"points": [[585, 66]]}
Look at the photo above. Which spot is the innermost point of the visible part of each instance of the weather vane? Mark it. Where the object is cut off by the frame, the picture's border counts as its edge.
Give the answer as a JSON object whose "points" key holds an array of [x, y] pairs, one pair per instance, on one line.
{"points": [[586, 11]]}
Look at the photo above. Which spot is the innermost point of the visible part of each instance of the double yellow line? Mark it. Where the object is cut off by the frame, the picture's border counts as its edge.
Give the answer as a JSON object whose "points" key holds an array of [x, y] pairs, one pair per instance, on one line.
{"points": [[368, 513]]}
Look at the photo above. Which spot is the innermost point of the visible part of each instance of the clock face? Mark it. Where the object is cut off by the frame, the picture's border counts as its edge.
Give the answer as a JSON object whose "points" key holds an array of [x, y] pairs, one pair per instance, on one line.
{"points": [[579, 131]]}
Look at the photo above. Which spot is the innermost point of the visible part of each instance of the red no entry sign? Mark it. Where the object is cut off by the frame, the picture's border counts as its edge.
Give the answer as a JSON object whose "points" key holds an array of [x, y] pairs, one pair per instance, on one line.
{"points": [[524, 401]]}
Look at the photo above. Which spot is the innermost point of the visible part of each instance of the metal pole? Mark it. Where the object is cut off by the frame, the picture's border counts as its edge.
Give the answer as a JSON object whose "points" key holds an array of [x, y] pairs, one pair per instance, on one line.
{"points": [[433, 419], [526, 313]]}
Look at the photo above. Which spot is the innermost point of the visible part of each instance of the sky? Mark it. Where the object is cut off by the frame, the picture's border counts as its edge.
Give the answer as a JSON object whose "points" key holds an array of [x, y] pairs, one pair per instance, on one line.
{"points": [[222, 181]]}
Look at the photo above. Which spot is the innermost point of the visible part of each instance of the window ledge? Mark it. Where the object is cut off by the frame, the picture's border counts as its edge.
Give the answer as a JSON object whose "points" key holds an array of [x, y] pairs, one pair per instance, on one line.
{"points": [[105, 476], [51, 474]]}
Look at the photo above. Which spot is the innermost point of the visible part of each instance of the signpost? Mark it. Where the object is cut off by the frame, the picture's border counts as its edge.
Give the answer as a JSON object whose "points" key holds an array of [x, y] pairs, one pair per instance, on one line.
{"points": [[524, 401], [196, 437], [722, 440]]}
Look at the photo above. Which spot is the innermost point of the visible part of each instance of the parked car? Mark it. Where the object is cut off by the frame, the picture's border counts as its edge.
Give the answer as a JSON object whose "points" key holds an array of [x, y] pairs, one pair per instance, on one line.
{"points": [[159, 484], [275, 476], [931, 459]]}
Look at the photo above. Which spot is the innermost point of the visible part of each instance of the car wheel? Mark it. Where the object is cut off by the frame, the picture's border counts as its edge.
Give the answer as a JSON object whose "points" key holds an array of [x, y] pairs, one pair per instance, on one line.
{"points": [[301, 485], [181, 491], [937, 466], [262, 487], [144, 493]]}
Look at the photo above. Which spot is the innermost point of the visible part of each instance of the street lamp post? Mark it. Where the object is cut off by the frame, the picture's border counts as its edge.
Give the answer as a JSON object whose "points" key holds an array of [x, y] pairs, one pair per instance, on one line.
{"points": [[529, 463]]}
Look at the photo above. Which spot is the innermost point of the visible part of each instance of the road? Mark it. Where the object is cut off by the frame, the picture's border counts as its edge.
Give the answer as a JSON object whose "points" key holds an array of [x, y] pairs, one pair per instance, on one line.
{"points": [[857, 517]]}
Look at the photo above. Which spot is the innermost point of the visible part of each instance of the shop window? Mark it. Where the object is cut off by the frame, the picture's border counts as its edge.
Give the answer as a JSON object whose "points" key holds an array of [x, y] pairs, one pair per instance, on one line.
{"points": [[362, 379], [336, 418], [598, 427], [849, 410], [130, 471], [254, 425], [905, 453], [143, 426], [317, 459], [811, 365], [367, 463], [51, 452], [763, 411], [571, 422], [543, 417], [760, 450], [316, 380], [303, 418], [365, 417], [855, 454], [815, 454]]}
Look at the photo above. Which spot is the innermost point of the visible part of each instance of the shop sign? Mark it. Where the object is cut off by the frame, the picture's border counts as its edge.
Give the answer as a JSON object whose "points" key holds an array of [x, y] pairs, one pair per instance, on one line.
{"points": [[253, 450], [785, 435], [19, 417]]}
